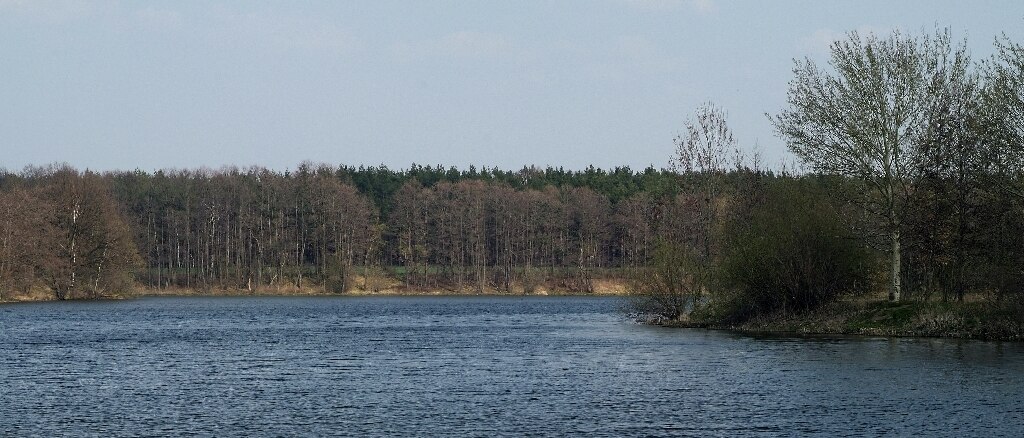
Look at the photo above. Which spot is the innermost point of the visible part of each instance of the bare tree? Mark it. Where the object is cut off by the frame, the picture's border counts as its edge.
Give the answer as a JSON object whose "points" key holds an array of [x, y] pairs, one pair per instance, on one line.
{"points": [[702, 158], [91, 251], [408, 221], [23, 233], [705, 145]]}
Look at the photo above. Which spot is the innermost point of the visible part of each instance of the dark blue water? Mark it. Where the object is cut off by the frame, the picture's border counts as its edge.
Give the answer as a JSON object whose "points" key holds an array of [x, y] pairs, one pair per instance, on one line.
{"points": [[437, 366]]}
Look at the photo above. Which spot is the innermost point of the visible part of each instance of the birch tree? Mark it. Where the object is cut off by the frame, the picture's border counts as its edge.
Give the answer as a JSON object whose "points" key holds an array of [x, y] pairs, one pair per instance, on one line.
{"points": [[702, 156], [865, 116], [1004, 114]]}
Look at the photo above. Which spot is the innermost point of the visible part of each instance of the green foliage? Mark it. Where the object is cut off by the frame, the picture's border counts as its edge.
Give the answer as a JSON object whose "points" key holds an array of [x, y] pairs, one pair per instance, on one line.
{"points": [[791, 253], [381, 183], [868, 115]]}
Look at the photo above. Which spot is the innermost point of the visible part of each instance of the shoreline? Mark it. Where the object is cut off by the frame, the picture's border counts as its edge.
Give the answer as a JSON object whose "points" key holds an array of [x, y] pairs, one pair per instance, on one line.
{"points": [[602, 288], [423, 293], [906, 319], [983, 321]]}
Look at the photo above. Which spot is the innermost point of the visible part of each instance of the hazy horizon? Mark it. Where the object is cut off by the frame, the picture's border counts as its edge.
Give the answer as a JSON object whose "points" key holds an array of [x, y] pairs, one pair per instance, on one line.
{"points": [[185, 85]]}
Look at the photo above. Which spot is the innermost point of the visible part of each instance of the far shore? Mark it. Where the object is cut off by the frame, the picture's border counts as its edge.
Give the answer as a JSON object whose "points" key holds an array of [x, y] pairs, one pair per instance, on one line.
{"points": [[390, 287], [874, 317], [600, 287], [292, 292]]}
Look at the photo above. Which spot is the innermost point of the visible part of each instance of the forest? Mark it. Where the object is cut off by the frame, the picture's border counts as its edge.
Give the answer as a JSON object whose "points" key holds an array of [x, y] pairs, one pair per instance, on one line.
{"points": [[322, 227], [911, 184]]}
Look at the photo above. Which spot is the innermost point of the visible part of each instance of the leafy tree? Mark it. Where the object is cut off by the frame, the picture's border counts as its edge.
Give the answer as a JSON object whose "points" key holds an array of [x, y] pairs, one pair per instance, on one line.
{"points": [[1004, 114], [1001, 129], [950, 185], [867, 117]]}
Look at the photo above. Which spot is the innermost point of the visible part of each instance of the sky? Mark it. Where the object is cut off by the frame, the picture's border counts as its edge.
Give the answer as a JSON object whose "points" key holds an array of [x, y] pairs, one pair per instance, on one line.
{"points": [[145, 85]]}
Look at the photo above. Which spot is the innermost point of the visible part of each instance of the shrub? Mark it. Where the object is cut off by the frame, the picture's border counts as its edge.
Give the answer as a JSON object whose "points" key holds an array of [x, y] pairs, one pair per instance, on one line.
{"points": [[791, 252], [672, 285]]}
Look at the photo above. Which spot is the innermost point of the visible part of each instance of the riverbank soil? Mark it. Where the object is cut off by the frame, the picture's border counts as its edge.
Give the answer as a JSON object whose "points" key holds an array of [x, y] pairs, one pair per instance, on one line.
{"points": [[360, 286]]}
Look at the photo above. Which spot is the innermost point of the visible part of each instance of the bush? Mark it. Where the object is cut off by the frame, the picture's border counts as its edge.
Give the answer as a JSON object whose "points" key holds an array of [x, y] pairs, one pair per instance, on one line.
{"points": [[791, 252], [672, 285]]}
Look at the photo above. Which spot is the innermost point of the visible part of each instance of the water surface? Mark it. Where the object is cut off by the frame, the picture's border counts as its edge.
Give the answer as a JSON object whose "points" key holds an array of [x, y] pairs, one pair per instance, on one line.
{"points": [[548, 366]]}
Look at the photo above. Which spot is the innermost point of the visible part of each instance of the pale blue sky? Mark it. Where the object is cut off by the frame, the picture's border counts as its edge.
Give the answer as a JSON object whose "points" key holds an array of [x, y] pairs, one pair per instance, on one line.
{"points": [[125, 85]]}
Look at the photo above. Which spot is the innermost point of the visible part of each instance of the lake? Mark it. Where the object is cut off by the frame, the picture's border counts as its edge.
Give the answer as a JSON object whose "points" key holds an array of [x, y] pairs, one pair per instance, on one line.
{"points": [[481, 366]]}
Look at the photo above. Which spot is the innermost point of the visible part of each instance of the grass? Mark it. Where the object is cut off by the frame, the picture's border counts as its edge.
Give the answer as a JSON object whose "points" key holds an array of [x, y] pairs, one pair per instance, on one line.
{"points": [[872, 316], [885, 314]]}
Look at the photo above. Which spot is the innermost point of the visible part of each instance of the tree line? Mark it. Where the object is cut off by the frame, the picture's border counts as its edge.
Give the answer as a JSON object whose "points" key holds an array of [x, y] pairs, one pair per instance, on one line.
{"points": [[913, 182], [336, 228]]}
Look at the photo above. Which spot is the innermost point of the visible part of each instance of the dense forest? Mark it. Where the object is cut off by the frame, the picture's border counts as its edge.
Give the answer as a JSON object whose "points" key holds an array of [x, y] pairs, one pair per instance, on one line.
{"points": [[323, 227], [911, 185]]}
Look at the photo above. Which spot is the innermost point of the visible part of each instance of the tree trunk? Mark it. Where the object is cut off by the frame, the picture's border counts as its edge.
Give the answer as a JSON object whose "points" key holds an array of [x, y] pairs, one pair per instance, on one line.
{"points": [[894, 282]]}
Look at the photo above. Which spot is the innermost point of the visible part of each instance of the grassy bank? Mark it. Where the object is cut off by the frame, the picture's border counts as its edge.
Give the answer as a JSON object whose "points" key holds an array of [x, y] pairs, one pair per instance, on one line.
{"points": [[879, 317], [40, 294]]}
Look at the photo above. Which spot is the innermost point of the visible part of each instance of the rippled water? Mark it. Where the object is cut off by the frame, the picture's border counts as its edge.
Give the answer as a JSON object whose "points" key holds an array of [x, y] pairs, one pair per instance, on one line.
{"points": [[473, 366]]}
